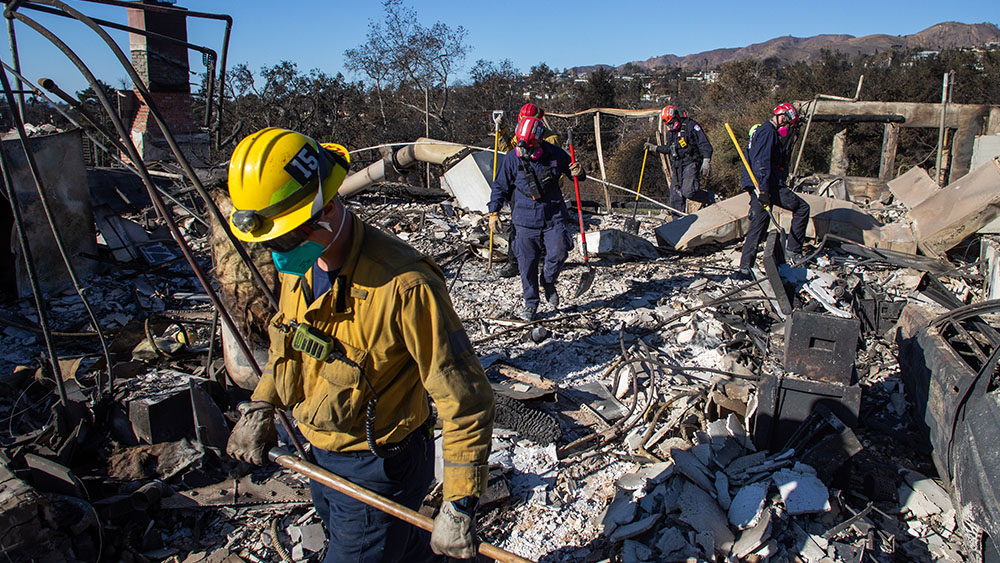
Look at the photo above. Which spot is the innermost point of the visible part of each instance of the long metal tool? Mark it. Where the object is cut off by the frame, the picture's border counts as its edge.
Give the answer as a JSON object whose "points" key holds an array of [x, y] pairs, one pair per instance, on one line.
{"points": [[587, 278], [631, 225], [497, 116], [341, 485]]}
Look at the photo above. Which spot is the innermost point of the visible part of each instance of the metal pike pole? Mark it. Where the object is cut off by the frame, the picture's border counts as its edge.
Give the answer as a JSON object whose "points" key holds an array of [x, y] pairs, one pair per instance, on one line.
{"points": [[587, 279], [341, 485]]}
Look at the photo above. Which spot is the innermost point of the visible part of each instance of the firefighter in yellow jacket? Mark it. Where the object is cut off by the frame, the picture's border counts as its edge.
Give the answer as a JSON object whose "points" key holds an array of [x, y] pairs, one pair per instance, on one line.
{"points": [[365, 333]]}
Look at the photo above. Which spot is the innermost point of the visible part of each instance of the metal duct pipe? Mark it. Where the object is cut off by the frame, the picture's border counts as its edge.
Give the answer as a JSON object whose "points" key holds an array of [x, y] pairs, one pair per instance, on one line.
{"points": [[423, 150]]}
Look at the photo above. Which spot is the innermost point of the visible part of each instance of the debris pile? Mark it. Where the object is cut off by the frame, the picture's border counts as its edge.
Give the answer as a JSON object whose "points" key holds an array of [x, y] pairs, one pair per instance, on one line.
{"points": [[666, 413]]}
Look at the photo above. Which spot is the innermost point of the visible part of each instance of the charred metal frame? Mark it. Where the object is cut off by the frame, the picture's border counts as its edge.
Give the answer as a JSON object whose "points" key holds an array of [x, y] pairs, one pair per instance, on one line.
{"points": [[158, 203], [951, 376]]}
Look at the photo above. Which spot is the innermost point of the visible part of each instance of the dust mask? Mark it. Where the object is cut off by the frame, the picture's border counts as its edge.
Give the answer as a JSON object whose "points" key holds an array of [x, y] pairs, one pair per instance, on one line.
{"points": [[300, 259]]}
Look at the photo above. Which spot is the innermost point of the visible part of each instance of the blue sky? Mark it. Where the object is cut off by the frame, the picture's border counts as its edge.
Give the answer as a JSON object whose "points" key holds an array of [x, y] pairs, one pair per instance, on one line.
{"points": [[314, 34]]}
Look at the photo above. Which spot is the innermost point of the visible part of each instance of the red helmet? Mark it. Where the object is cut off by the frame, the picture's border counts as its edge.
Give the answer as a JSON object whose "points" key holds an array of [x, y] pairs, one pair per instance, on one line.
{"points": [[529, 131], [530, 110], [789, 111], [668, 113]]}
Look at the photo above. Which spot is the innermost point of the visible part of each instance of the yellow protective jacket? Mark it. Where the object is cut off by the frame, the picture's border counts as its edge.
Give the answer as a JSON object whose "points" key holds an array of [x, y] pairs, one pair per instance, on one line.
{"points": [[395, 329]]}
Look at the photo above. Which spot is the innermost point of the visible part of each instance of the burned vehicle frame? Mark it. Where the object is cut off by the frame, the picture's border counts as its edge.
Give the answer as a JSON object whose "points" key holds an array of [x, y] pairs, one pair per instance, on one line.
{"points": [[950, 366]]}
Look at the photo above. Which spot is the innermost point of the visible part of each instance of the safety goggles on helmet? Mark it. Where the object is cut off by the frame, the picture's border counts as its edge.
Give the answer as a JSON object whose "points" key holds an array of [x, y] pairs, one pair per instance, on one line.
{"points": [[789, 111], [530, 110], [668, 113]]}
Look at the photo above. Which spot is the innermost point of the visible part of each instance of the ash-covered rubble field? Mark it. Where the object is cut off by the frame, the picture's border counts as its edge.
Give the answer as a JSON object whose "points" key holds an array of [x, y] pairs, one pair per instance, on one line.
{"points": [[666, 413]]}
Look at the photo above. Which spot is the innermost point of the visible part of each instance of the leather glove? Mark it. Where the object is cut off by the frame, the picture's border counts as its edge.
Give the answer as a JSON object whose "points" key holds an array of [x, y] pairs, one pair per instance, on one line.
{"points": [[454, 532], [494, 222], [706, 166], [649, 146], [576, 170], [254, 434]]}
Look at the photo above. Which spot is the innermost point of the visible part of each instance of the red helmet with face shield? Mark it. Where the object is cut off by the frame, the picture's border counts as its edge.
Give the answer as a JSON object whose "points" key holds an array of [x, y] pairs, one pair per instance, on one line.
{"points": [[789, 111], [668, 113], [528, 136]]}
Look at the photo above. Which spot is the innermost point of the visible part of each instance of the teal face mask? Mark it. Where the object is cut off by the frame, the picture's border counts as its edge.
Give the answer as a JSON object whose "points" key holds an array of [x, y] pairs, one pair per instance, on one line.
{"points": [[298, 260]]}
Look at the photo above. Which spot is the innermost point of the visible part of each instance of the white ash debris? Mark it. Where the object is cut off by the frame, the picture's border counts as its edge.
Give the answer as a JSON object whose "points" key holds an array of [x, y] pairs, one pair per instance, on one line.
{"points": [[676, 478]]}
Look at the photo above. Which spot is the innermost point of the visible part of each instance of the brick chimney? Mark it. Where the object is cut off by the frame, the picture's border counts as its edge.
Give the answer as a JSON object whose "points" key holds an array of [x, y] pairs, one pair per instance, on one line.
{"points": [[163, 66]]}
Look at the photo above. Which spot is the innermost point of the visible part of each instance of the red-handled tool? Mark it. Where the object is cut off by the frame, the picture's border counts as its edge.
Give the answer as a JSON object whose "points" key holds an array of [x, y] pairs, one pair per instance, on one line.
{"points": [[579, 208]]}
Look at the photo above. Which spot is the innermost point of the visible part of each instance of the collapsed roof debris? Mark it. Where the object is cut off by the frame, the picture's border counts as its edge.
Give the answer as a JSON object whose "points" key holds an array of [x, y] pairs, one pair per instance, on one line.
{"points": [[841, 410]]}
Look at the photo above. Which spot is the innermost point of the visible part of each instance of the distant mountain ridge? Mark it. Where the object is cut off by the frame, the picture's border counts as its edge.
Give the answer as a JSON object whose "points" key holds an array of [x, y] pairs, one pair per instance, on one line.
{"points": [[788, 49]]}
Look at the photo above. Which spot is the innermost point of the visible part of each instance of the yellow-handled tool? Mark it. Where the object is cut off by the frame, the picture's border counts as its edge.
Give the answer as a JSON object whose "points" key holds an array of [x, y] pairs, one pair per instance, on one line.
{"points": [[497, 116], [631, 225], [753, 178]]}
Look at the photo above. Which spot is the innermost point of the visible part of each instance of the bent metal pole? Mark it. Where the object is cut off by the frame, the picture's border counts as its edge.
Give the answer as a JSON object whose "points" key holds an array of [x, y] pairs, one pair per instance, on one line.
{"points": [[341, 485]]}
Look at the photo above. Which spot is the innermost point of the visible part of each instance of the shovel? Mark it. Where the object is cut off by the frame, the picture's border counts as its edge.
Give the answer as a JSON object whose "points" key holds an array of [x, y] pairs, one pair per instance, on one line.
{"points": [[497, 116], [587, 279], [631, 225]]}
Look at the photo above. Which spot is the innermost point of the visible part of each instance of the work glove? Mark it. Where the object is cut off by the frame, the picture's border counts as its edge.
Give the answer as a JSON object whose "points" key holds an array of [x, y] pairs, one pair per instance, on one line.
{"points": [[706, 166], [649, 146], [764, 196], [254, 434], [494, 222], [454, 532], [576, 170]]}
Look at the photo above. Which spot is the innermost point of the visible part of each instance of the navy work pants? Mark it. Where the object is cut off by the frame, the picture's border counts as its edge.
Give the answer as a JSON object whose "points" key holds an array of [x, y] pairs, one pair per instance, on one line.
{"points": [[685, 184], [528, 250], [759, 219], [362, 534]]}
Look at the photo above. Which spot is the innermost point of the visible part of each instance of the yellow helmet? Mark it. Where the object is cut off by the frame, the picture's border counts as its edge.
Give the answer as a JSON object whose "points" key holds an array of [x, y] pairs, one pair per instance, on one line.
{"points": [[279, 179]]}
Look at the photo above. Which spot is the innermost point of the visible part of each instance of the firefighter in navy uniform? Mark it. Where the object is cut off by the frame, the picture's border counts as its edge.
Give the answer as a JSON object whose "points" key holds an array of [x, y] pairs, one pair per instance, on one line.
{"points": [[365, 333], [690, 155], [528, 178], [768, 154], [507, 144]]}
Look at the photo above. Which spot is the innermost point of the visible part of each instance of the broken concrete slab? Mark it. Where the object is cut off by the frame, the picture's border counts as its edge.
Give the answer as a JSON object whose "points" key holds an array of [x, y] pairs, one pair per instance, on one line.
{"points": [[729, 220], [671, 540], [984, 149], [929, 488], [700, 511], [748, 505], [615, 242], [753, 538], [722, 222], [722, 490], [957, 210], [634, 529], [620, 512], [912, 187], [801, 490], [689, 465], [635, 552]]}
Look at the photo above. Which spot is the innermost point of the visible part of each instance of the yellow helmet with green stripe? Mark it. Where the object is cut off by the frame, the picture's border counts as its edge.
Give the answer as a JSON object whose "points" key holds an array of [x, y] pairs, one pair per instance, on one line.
{"points": [[279, 179]]}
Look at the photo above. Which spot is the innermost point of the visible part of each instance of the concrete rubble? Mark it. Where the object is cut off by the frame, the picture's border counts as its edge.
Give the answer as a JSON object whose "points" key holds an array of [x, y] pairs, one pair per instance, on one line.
{"points": [[666, 414]]}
